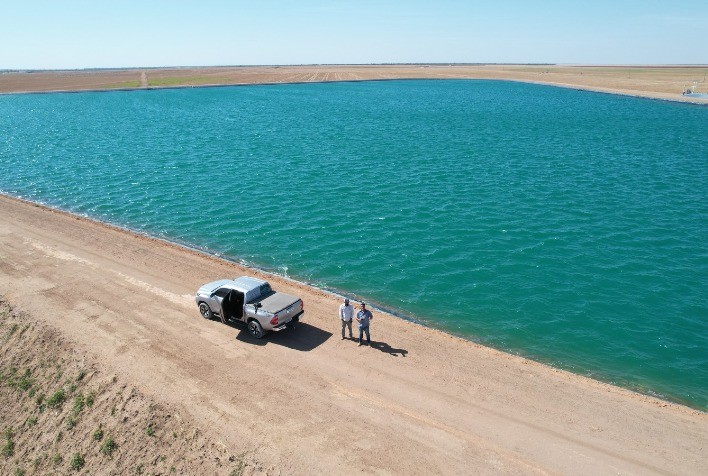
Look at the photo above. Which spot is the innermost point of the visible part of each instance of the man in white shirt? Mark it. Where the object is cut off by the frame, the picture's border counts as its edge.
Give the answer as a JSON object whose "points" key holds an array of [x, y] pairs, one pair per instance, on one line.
{"points": [[346, 312]]}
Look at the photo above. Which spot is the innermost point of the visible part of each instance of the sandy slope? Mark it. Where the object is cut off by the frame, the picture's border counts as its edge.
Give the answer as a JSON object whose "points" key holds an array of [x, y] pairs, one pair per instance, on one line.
{"points": [[305, 402], [57, 403]]}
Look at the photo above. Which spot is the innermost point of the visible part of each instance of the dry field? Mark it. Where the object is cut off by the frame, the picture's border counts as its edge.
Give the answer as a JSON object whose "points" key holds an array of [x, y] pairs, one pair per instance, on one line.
{"points": [[661, 82]]}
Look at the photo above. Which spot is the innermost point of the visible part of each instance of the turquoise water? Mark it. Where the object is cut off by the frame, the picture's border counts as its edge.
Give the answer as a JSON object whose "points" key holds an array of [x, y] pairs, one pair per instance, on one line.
{"points": [[562, 225]]}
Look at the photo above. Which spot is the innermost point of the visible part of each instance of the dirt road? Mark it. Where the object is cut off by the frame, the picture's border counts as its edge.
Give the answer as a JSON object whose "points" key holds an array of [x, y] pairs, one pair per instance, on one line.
{"points": [[305, 402]]}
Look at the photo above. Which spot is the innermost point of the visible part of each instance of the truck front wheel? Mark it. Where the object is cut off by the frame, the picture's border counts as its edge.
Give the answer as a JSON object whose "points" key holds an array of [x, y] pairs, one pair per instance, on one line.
{"points": [[205, 311], [255, 329]]}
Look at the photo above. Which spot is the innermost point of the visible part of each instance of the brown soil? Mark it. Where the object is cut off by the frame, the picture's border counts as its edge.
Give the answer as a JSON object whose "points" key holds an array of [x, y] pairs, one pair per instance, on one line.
{"points": [[661, 82], [417, 401]]}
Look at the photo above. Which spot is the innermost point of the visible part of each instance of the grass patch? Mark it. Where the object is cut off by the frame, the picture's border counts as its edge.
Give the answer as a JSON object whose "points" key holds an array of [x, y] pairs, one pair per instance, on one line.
{"points": [[77, 462], [108, 446], [57, 399], [31, 421], [8, 447], [25, 382], [56, 460], [98, 434], [70, 423], [150, 431], [79, 404], [18, 382], [89, 399]]}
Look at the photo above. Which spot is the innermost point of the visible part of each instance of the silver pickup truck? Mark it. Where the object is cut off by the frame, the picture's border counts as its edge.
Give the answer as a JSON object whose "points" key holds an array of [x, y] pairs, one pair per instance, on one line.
{"points": [[251, 301]]}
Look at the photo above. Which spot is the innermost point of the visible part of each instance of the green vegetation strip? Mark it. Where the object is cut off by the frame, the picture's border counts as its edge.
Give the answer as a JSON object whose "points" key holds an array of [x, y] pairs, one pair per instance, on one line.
{"points": [[123, 85]]}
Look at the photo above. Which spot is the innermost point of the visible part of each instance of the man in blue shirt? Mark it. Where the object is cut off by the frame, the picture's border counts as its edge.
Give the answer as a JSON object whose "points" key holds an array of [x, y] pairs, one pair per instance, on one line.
{"points": [[363, 317]]}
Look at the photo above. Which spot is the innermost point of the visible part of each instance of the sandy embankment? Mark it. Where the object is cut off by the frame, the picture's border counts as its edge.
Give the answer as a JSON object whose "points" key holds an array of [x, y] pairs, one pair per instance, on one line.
{"points": [[61, 412], [657, 82], [305, 402]]}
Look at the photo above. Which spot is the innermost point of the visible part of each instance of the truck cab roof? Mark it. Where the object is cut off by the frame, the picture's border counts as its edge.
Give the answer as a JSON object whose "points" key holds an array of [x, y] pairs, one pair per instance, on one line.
{"points": [[252, 288], [245, 283]]}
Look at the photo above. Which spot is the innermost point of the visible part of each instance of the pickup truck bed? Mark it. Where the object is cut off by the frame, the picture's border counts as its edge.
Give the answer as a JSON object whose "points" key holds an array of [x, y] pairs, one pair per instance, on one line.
{"points": [[276, 302]]}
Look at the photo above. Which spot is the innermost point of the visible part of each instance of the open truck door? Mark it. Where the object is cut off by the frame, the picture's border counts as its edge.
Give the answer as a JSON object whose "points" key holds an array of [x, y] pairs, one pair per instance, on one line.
{"points": [[232, 306]]}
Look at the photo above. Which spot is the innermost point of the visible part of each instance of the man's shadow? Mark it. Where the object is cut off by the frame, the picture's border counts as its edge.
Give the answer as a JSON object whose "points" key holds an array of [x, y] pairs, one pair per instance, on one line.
{"points": [[384, 347]]}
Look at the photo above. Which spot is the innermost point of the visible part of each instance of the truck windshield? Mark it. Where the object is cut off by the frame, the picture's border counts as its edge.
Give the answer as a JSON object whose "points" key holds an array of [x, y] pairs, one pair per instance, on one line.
{"points": [[265, 289]]}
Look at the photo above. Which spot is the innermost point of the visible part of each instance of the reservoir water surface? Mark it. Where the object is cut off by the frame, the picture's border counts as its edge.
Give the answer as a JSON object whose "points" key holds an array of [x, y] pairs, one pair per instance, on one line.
{"points": [[565, 226]]}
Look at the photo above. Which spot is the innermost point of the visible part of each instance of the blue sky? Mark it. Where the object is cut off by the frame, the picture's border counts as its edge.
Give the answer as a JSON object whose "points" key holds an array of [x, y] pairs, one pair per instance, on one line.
{"points": [[98, 34]]}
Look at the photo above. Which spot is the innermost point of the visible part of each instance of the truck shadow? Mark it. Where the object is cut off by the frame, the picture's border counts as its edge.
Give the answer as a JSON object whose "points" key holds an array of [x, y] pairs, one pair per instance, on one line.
{"points": [[304, 337]]}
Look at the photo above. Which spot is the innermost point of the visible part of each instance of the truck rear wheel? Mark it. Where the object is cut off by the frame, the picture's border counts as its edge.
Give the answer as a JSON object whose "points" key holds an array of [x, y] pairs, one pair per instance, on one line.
{"points": [[255, 329], [205, 311]]}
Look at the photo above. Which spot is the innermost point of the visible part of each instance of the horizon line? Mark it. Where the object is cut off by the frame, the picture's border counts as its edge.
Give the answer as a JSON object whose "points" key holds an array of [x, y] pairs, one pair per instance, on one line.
{"points": [[578, 65]]}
